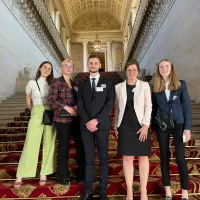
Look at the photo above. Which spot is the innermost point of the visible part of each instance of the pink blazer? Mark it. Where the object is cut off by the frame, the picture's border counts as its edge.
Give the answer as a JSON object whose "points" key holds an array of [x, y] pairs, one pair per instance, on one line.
{"points": [[142, 102]]}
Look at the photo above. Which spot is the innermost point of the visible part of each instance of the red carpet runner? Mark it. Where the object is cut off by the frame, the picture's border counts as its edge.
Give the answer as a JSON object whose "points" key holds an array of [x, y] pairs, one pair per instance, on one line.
{"points": [[11, 144]]}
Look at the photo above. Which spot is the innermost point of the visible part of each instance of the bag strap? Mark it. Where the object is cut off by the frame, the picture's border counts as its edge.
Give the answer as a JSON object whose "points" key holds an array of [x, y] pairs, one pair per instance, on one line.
{"points": [[40, 92]]}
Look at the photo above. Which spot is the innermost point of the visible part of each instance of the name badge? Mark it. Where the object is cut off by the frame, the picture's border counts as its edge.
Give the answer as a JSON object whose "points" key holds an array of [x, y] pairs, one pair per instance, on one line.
{"points": [[76, 88], [99, 89], [134, 89], [103, 85]]}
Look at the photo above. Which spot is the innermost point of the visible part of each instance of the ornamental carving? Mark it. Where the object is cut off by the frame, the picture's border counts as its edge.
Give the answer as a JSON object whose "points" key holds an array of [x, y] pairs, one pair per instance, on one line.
{"points": [[77, 7], [150, 17], [101, 22], [40, 28]]}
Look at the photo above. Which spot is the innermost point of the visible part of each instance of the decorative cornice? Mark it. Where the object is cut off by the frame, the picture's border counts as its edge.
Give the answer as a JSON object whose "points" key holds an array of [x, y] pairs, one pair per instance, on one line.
{"points": [[139, 17], [64, 16], [155, 14], [36, 21], [126, 15], [99, 32]]}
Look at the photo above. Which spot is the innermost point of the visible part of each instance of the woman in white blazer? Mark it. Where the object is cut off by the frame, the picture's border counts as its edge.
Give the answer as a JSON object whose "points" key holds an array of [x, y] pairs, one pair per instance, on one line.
{"points": [[132, 118]]}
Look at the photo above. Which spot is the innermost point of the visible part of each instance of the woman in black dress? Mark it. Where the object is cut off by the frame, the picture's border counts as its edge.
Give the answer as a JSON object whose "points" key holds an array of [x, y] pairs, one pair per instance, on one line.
{"points": [[132, 118]]}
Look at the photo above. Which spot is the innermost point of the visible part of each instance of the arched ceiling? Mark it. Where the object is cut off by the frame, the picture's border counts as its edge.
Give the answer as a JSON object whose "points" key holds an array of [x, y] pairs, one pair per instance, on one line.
{"points": [[96, 22], [110, 14]]}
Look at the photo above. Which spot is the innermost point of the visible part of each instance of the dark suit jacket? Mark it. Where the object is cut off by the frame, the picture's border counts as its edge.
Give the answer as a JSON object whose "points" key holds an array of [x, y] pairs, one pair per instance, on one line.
{"points": [[102, 106], [181, 109]]}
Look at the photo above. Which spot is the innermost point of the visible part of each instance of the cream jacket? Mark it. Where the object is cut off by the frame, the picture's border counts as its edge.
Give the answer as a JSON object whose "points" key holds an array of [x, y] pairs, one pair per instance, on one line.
{"points": [[142, 102]]}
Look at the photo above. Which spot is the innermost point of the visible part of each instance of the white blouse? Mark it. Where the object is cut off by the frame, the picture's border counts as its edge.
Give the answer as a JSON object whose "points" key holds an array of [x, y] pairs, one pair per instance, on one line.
{"points": [[167, 91], [32, 89]]}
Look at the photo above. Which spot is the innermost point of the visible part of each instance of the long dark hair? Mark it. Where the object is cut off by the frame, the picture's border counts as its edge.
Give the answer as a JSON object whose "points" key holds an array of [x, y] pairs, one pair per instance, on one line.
{"points": [[50, 77]]}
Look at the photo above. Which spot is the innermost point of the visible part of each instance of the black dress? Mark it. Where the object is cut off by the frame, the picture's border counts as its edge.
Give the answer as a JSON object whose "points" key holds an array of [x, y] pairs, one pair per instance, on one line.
{"points": [[128, 139]]}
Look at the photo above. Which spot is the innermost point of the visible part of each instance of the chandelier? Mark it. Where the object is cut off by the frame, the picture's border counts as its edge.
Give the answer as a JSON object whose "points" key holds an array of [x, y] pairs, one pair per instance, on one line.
{"points": [[97, 42]]}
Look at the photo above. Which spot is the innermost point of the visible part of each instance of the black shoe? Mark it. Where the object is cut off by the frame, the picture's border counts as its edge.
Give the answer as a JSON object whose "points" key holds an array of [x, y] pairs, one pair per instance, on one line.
{"points": [[80, 180], [103, 197], [86, 197], [185, 199], [65, 181], [168, 198]]}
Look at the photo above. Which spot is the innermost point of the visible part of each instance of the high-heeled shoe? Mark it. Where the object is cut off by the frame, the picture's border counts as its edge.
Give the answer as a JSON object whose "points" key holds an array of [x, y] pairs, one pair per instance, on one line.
{"points": [[17, 184]]}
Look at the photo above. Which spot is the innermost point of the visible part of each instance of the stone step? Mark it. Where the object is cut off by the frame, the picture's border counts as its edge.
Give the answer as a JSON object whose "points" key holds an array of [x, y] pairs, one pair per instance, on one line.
{"points": [[9, 112], [11, 106], [19, 109], [8, 117], [17, 97]]}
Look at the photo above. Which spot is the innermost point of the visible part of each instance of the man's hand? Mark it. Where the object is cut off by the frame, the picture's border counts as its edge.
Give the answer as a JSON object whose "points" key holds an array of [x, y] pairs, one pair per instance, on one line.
{"points": [[92, 125], [143, 133]]}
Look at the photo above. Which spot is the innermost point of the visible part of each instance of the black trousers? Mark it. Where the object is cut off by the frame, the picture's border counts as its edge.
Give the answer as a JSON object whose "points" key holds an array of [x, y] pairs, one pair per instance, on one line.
{"points": [[88, 138], [163, 140], [64, 130]]}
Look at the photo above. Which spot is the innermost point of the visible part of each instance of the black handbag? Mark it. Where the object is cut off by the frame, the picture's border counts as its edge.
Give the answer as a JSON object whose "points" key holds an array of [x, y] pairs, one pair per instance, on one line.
{"points": [[47, 114], [165, 121], [64, 114]]}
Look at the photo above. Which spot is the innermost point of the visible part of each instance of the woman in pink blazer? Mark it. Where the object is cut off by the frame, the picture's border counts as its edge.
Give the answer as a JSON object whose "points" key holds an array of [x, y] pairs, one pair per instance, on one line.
{"points": [[132, 118]]}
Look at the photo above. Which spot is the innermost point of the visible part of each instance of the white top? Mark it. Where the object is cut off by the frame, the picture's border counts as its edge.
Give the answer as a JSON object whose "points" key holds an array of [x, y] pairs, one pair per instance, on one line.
{"points": [[32, 89], [96, 80], [167, 91]]}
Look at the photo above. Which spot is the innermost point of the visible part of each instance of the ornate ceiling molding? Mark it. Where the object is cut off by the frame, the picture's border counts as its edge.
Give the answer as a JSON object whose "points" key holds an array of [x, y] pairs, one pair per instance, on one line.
{"points": [[96, 22], [99, 32], [76, 8], [36, 21], [142, 36]]}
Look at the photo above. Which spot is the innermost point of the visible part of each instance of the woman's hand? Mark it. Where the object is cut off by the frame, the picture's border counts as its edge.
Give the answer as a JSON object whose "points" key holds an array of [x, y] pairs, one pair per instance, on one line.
{"points": [[143, 133], [71, 110], [116, 133], [187, 134]]}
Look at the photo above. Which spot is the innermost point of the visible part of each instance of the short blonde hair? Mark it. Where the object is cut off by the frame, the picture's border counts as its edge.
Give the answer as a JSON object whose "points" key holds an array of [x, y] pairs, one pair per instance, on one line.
{"points": [[67, 60]]}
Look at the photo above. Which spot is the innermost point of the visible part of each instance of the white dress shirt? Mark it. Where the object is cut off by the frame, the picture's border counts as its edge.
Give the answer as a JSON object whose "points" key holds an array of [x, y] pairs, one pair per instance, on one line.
{"points": [[33, 90], [96, 79], [167, 91]]}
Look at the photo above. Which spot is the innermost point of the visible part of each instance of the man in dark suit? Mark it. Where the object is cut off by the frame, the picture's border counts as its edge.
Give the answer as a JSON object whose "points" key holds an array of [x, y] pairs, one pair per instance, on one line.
{"points": [[95, 103]]}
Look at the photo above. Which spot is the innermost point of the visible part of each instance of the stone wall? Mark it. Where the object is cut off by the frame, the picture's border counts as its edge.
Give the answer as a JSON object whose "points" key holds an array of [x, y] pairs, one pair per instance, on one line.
{"points": [[77, 56], [17, 50], [178, 40]]}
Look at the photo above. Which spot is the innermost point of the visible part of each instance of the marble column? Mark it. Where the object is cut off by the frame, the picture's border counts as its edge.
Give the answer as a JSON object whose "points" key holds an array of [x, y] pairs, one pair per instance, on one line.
{"points": [[125, 42], [57, 21], [134, 12], [63, 36], [109, 56], [85, 56], [68, 47]]}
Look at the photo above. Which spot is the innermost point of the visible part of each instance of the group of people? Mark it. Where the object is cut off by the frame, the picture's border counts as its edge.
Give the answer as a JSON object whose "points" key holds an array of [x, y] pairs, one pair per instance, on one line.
{"points": [[84, 113]]}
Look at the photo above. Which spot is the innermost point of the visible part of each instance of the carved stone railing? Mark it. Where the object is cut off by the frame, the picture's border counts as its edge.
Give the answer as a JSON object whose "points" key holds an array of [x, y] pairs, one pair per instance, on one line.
{"points": [[150, 17], [37, 22]]}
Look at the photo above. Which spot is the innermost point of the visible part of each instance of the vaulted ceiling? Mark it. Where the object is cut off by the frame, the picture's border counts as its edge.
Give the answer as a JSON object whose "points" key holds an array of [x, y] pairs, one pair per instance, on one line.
{"points": [[89, 15]]}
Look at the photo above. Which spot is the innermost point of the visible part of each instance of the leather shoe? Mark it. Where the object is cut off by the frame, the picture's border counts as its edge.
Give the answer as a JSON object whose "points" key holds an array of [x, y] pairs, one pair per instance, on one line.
{"points": [[103, 197], [65, 181], [86, 197], [80, 180]]}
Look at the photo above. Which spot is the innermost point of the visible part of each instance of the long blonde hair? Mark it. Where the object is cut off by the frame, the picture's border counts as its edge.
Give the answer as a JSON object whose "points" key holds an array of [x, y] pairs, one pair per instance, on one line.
{"points": [[159, 85]]}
